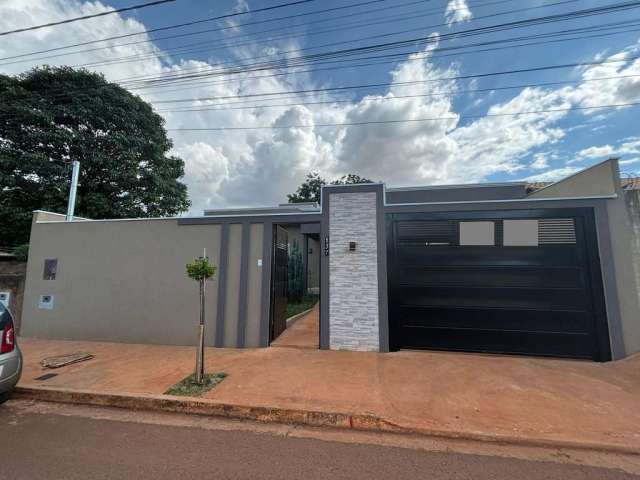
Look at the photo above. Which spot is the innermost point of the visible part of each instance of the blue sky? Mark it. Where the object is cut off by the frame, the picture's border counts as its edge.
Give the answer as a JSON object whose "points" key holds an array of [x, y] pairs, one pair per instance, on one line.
{"points": [[255, 167]]}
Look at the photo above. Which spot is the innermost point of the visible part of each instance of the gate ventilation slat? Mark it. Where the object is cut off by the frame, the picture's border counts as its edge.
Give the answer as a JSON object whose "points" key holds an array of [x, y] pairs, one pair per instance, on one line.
{"points": [[427, 232], [556, 231]]}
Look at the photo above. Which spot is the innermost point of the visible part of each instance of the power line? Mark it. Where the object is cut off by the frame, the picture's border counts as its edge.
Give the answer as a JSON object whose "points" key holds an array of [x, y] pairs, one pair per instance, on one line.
{"points": [[213, 30], [298, 60], [181, 50], [85, 17], [405, 83], [420, 55], [452, 48], [404, 120], [168, 27], [402, 97]]}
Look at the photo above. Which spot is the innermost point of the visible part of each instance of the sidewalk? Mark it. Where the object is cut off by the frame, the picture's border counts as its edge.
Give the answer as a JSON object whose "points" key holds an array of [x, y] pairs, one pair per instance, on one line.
{"points": [[512, 399]]}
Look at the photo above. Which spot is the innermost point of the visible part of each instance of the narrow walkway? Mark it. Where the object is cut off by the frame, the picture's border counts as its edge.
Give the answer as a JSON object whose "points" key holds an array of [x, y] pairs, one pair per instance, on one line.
{"points": [[304, 333]]}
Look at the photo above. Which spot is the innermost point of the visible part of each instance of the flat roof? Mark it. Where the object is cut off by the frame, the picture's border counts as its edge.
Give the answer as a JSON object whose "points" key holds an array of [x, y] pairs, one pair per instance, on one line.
{"points": [[456, 186]]}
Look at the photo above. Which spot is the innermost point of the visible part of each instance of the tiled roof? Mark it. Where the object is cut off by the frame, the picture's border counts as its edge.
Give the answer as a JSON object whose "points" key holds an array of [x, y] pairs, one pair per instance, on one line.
{"points": [[630, 183]]}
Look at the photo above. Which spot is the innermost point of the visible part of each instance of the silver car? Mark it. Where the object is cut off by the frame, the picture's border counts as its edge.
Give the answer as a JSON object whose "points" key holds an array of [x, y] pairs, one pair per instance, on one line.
{"points": [[10, 355]]}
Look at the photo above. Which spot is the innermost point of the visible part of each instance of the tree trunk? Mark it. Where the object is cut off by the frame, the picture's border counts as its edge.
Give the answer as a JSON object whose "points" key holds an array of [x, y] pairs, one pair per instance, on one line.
{"points": [[200, 351]]}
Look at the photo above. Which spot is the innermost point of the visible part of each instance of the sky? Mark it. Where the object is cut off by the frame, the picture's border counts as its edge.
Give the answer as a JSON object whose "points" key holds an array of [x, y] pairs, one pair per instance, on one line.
{"points": [[440, 109]]}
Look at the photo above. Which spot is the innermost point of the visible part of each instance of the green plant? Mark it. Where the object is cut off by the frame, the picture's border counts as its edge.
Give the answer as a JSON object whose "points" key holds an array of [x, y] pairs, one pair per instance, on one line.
{"points": [[295, 272], [307, 302], [200, 270], [21, 252], [189, 387]]}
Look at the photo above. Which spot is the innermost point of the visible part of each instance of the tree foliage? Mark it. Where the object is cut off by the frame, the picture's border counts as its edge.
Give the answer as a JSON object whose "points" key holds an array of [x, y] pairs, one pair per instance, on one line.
{"points": [[52, 115], [21, 252], [295, 272], [200, 269], [309, 191]]}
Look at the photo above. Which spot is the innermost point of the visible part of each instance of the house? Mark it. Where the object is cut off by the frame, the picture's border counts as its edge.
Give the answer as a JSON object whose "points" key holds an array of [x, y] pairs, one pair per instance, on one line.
{"points": [[495, 267]]}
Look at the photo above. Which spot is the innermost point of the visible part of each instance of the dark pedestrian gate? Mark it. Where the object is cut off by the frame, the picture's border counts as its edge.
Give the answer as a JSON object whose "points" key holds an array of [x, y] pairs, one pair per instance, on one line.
{"points": [[279, 283], [517, 281]]}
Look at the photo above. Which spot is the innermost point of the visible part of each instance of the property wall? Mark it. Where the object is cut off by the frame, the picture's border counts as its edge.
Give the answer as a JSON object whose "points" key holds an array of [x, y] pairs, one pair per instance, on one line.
{"points": [[600, 179], [254, 287], [632, 202], [616, 243], [354, 315], [623, 220], [313, 265], [125, 281]]}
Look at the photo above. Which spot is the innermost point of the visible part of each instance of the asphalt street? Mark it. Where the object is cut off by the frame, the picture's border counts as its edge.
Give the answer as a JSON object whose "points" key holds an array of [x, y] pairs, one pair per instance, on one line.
{"points": [[41, 444]]}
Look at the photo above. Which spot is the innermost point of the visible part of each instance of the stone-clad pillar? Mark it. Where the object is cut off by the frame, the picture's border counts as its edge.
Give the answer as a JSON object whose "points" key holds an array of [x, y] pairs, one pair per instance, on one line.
{"points": [[353, 231]]}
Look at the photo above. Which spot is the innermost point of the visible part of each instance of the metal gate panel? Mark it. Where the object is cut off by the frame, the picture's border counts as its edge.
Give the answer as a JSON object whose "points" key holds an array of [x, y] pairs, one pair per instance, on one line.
{"points": [[279, 284], [542, 299]]}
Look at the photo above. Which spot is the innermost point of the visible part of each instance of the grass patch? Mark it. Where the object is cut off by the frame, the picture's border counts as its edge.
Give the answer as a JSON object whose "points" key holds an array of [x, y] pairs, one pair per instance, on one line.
{"points": [[189, 388], [307, 302]]}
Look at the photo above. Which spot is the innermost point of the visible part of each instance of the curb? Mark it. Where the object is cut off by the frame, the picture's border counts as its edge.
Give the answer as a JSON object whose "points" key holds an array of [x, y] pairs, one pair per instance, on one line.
{"points": [[362, 422]]}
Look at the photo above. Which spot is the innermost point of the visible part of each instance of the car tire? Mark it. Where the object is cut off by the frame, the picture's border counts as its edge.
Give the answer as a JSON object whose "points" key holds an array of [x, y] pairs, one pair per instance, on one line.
{"points": [[4, 397]]}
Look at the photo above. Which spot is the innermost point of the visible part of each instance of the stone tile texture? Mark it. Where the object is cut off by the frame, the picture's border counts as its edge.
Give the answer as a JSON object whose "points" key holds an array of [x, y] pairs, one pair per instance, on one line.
{"points": [[353, 276]]}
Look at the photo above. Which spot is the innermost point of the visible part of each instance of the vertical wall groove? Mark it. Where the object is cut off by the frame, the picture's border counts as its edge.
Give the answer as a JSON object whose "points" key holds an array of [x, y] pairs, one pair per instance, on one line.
{"points": [[222, 284], [244, 274]]}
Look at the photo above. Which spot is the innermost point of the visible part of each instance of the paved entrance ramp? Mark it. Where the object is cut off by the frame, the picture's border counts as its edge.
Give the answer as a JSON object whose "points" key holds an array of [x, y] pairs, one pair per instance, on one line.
{"points": [[304, 333]]}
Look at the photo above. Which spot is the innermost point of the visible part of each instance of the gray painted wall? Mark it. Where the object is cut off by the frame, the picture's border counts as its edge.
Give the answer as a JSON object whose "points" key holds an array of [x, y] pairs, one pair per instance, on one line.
{"points": [[632, 201], [125, 281], [597, 180], [456, 193], [624, 260], [313, 265]]}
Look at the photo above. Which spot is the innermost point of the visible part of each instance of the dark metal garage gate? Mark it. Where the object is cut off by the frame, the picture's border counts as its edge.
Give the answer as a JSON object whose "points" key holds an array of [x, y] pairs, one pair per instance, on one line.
{"points": [[512, 281]]}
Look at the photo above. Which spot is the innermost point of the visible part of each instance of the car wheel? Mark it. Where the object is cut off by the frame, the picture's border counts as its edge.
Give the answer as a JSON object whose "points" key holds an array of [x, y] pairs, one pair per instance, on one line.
{"points": [[4, 397]]}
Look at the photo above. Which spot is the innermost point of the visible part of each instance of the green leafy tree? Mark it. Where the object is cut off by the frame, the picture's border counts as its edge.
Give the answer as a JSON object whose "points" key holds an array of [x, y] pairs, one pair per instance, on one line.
{"points": [[200, 270], [51, 116], [309, 191], [21, 252], [295, 272]]}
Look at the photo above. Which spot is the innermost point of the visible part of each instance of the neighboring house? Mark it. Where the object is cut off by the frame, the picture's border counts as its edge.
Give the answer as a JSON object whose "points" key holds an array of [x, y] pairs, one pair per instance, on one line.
{"points": [[498, 268], [12, 278]]}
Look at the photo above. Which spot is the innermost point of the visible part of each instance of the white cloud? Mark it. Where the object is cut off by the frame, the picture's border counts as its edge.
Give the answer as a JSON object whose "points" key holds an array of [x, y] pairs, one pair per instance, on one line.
{"points": [[540, 161], [630, 146], [630, 161], [259, 167], [457, 11], [552, 175]]}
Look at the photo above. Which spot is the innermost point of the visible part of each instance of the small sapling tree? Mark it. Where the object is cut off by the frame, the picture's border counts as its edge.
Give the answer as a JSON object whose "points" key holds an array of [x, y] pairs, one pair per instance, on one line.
{"points": [[200, 270]]}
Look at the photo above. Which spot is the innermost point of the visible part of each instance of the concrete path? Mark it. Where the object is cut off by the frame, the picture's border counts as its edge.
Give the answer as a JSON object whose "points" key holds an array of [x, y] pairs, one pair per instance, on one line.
{"points": [[41, 442], [497, 397], [304, 333]]}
